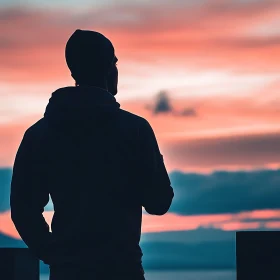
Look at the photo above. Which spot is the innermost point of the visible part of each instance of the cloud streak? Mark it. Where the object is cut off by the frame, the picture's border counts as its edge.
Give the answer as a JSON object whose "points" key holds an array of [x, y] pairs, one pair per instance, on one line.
{"points": [[222, 200], [183, 35], [230, 152], [193, 145], [203, 194], [174, 222]]}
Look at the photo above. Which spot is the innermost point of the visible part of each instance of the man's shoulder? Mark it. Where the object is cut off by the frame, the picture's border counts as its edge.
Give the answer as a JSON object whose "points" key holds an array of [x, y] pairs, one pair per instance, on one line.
{"points": [[35, 128], [132, 118]]}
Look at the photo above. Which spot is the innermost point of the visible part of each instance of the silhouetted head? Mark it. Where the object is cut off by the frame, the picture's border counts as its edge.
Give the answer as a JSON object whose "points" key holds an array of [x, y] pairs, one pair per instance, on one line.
{"points": [[91, 59]]}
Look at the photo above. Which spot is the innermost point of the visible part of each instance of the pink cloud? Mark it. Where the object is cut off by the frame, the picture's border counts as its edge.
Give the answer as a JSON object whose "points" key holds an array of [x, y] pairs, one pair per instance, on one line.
{"points": [[173, 222], [259, 214], [234, 226], [7, 227], [179, 34], [179, 38], [273, 225]]}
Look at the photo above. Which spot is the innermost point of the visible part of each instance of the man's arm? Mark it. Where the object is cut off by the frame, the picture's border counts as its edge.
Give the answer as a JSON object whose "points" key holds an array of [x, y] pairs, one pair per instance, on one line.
{"points": [[28, 199], [156, 191]]}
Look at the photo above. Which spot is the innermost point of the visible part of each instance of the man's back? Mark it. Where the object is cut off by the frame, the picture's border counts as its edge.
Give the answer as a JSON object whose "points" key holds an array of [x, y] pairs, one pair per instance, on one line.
{"points": [[100, 164]]}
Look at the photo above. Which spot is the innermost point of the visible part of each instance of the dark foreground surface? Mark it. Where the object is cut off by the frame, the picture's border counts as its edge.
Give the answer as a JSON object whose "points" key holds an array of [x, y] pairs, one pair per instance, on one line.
{"points": [[183, 275]]}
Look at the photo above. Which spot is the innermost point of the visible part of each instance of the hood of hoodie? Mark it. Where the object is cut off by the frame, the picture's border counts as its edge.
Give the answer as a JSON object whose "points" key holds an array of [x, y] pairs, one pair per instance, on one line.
{"points": [[78, 106]]}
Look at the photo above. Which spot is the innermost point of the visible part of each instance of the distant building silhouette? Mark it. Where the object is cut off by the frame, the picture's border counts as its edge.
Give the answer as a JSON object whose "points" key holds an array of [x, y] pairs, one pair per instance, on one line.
{"points": [[257, 255]]}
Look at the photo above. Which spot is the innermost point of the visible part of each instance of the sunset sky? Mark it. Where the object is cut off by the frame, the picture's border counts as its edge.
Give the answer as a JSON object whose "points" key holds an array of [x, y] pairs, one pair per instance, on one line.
{"points": [[205, 74]]}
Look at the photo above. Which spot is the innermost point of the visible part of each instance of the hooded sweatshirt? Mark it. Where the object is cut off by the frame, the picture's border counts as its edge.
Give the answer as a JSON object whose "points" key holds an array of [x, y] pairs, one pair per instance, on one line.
{"points": [[100, 165]]}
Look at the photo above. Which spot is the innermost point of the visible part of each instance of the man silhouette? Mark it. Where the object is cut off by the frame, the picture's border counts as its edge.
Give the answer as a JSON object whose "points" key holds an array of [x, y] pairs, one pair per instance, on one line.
{"points": [[100, 165]]}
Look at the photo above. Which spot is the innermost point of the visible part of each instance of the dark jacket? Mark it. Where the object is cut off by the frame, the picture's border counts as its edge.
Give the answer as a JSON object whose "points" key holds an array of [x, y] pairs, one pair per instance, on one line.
{"points": [[100, 165]]}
